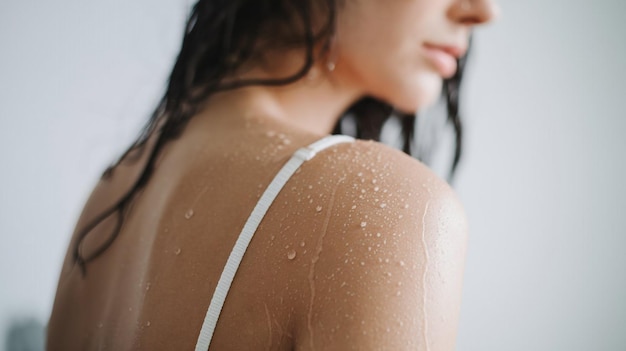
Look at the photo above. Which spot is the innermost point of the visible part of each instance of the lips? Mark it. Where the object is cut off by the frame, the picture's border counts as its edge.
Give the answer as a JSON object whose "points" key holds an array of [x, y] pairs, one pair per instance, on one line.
{"points": [[444, 58], [456, 51]]}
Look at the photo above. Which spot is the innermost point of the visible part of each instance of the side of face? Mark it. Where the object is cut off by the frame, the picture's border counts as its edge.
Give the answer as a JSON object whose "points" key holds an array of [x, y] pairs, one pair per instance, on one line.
{"points": [[385, 46]]}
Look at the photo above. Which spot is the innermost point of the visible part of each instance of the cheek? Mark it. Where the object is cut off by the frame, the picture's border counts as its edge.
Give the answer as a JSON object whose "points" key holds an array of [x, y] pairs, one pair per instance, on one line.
{"points": [[389, 65]]}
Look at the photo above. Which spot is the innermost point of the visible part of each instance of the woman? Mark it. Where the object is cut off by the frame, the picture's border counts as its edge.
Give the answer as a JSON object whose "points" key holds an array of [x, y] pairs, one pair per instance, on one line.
{"points": [[355, 245]]}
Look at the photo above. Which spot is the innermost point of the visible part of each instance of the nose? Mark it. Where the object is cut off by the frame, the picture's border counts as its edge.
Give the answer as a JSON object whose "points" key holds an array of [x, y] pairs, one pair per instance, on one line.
{"points": [[475, 12]]}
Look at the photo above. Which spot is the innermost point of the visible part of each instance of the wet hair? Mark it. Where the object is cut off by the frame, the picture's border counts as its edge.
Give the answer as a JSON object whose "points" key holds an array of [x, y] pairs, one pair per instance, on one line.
{"points": [[219, 38]]}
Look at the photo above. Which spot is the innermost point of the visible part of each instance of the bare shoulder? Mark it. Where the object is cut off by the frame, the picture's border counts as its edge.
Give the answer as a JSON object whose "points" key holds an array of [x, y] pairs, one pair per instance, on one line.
{"points": [[386, 271], [379, 179]]}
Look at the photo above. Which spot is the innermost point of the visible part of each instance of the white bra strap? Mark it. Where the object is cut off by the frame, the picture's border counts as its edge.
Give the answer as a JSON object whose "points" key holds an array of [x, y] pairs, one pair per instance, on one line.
{"points": [[219, 296]]}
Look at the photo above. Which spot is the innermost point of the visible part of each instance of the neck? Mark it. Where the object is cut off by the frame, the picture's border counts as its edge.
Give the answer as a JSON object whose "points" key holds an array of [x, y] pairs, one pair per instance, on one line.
{"points": [[314, 103]]}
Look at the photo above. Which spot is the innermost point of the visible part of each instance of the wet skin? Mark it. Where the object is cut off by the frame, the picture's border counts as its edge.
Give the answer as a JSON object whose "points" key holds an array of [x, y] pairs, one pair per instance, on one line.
{"points": [[362, 249]]}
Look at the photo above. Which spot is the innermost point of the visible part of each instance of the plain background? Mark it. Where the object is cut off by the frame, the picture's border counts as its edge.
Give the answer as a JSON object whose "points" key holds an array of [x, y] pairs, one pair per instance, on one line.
{"points": [[542, 177]]}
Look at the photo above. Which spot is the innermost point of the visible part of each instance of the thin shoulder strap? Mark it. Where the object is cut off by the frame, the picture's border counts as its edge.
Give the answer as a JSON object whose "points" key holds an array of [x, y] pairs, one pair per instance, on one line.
{"points": [[219, 296]]}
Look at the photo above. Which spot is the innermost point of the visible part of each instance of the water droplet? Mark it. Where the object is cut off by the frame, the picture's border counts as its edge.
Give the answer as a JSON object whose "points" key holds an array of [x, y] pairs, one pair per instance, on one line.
{"points": [[310, 186], [376, 188], [402, 263], [378, 235], [360, 174], [286, 141], [270, 133], [363, 224], [353, 207], [383, 205], [178, 251], [291, 254], [373, 181], [362, 263], [302, 244], [148, 286], [318, 209], [406, 205], [189, 214], [398, 293], [148, 323]]}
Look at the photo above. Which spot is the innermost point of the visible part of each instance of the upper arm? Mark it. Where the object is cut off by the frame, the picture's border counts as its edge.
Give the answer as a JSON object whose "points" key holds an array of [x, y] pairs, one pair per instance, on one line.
{"points": [[389, 272]]}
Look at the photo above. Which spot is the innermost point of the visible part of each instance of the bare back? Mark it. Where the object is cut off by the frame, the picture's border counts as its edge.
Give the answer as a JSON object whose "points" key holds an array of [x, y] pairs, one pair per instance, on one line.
{"points": [[150, 290]]}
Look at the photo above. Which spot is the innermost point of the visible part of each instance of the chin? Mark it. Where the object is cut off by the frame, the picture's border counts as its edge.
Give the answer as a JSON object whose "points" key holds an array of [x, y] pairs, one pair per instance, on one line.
{"points": [[418, 94]]}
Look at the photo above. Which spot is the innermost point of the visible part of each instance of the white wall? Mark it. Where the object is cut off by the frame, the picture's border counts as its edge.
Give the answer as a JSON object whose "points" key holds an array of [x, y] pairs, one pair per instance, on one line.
{"points": [[544, 180], [542, 177]]}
